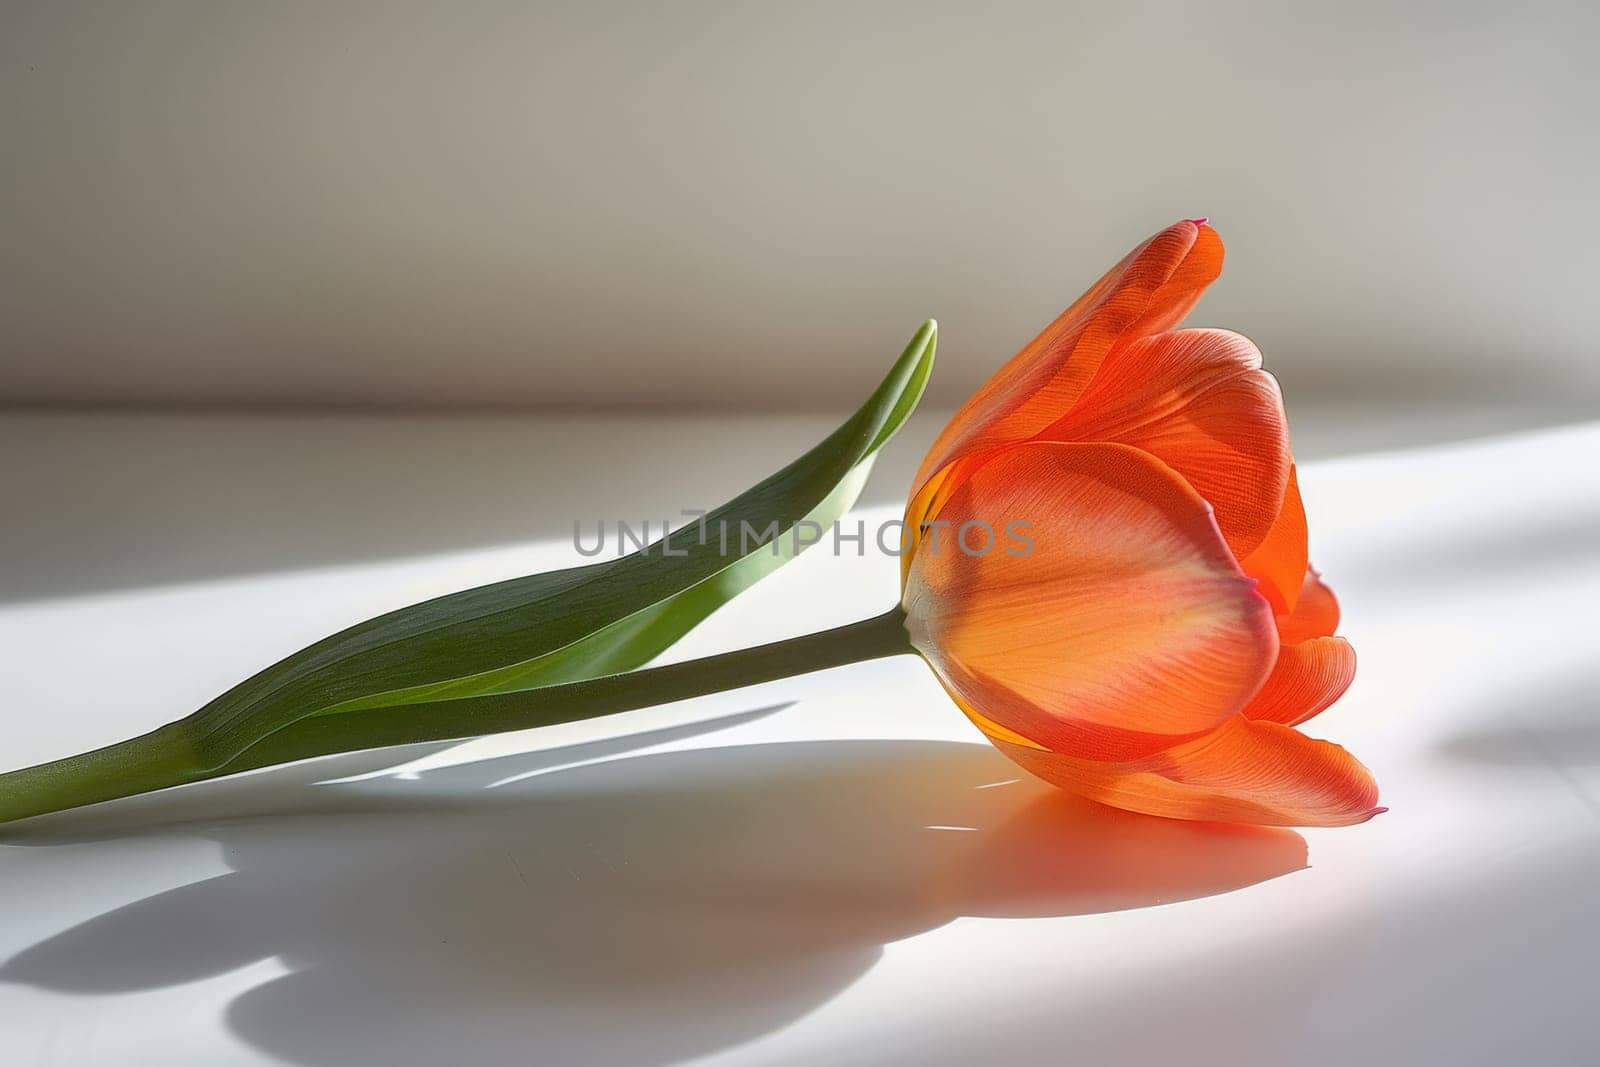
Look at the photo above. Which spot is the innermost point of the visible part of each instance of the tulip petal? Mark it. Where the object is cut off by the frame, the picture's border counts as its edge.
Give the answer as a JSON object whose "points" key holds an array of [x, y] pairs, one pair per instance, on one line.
{"points": [[1199, 401], [1316, 611], [1151, 290], [1279, 562], [1313, 668], [1249, 772], [1307, 678], [1127, 627]]}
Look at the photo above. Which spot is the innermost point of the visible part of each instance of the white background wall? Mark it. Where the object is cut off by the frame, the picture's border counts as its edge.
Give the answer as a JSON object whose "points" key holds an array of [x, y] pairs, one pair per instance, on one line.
{"points": [[754, 204]]}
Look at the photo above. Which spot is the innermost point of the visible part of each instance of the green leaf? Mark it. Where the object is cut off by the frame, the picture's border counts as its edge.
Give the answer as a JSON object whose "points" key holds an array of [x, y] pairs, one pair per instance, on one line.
{"points": [[562, 626]]}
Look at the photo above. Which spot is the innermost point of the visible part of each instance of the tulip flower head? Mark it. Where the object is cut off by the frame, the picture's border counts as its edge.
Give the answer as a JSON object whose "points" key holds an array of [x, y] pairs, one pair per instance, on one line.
{"points": [[1163, 636]]}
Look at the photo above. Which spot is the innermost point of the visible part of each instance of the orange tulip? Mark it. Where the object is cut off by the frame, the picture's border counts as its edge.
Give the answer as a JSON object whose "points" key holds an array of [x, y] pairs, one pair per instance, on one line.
{"points": [[1158, 644]]}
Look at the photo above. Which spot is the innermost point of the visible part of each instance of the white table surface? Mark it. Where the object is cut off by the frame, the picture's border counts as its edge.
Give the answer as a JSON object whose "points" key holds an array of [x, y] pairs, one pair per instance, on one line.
{"points": [[833, 869]]}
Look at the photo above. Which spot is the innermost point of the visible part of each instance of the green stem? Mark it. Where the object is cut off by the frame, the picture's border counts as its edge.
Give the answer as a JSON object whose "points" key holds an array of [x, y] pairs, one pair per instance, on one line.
{"points": [[163, 757], [168, 756]]}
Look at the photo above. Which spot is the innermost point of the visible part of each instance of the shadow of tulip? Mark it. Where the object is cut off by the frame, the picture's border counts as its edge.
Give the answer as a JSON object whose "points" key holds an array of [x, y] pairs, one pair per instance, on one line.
{"points": [[635, 910]]}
